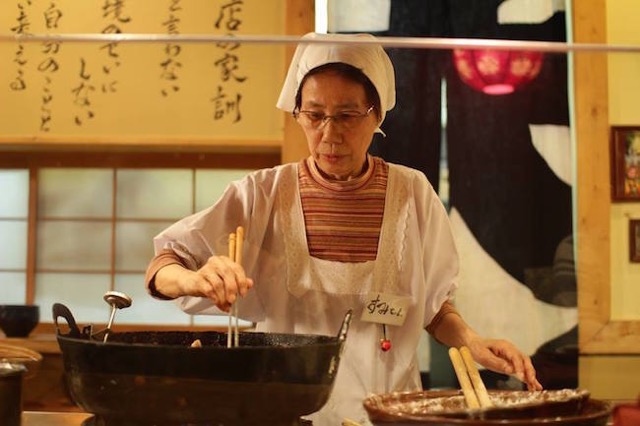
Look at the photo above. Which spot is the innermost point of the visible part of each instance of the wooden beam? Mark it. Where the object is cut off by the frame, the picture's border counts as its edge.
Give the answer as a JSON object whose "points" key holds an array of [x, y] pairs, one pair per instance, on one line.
{"points": [[140, 160]]}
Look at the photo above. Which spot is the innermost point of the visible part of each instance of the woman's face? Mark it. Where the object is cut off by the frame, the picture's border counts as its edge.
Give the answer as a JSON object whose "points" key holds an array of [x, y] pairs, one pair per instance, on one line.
{"points": [[338, 148]]}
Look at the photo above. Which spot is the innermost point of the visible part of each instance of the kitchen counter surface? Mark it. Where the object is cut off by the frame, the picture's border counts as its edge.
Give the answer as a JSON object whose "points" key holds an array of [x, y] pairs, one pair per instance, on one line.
{"points": [[42, 343], [45, 418]]}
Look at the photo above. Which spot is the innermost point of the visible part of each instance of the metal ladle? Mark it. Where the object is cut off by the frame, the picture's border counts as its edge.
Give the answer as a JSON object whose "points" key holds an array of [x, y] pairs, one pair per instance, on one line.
{"points": [[117, 300]]}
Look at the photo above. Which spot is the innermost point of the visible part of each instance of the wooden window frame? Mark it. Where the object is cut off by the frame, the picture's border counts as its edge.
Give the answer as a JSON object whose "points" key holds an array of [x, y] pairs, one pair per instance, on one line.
{"points": [[33, 161]]}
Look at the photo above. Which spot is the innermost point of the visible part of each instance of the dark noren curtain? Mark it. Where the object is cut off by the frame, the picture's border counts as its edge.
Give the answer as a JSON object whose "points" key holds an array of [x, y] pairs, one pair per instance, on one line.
{"points": [[515, 206], [496, 178]]}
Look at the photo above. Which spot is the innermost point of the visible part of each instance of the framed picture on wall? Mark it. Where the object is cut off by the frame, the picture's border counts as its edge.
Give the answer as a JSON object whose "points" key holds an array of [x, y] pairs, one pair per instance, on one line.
{"points": [[634, 240], [625, 163]]}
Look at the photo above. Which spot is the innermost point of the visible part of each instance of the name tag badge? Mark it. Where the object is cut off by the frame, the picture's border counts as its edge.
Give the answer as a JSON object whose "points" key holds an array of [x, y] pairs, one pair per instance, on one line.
{"points": [[387, 309]]}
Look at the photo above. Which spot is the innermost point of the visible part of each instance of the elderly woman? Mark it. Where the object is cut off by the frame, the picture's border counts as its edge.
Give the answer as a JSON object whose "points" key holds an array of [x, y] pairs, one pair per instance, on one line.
{"points": [[331, 233]]}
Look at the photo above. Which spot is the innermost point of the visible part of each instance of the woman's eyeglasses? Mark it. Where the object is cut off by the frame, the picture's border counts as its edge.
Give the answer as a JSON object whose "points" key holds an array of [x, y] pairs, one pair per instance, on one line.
{"points": [[344, 120]]}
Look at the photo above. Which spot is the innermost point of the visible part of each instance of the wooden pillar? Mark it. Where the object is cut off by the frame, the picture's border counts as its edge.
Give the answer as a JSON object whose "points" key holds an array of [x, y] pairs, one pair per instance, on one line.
{"points": [[300, 20], [592, 162], [609, 364]]}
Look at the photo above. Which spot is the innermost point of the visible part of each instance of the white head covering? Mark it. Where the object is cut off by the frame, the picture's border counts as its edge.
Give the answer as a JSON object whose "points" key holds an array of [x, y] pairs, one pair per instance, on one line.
{"points": [[371, 59]]}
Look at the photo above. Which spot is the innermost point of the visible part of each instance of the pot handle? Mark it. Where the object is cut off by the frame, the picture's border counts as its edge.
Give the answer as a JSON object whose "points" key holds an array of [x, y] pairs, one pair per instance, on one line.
{"points": [[342, 334], [59, 310]]}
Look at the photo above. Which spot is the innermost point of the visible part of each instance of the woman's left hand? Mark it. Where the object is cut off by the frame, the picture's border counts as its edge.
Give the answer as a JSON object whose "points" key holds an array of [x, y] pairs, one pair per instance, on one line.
{"points": [[503, 357]]}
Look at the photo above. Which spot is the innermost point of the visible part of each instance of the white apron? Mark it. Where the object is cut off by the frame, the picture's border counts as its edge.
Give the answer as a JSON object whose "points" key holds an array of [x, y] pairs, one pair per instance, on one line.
{"points": [[323, 291]]}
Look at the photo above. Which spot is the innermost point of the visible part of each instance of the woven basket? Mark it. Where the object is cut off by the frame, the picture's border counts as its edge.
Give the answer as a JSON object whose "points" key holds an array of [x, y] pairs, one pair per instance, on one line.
{"points": [[19, 355]]}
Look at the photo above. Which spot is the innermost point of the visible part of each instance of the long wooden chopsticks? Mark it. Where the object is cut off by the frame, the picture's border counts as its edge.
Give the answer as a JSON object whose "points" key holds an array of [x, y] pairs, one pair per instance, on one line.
{"points": [[235, 254], [475, 393]]}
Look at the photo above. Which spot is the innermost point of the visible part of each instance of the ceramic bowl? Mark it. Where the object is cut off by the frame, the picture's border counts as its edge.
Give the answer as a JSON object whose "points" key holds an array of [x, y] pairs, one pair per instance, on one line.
{"points": [[18, 320], [564, 407]]}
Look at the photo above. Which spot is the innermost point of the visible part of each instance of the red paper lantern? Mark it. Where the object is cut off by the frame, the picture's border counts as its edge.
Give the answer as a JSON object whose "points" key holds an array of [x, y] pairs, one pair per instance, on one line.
{"points": [[497, 72]]}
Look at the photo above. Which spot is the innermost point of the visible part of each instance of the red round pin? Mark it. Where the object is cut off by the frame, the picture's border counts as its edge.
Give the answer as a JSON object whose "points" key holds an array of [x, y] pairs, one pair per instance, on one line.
{"points": [[385, 345]]}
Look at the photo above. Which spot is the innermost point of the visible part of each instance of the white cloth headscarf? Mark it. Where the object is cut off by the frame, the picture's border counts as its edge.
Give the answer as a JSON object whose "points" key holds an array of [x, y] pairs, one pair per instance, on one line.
{"points": [[370, 58]]}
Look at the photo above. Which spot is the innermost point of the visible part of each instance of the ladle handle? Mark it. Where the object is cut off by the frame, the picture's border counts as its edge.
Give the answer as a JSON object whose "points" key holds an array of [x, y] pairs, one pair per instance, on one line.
{"points": [[60, 310], [109, 324], [117, 300]]}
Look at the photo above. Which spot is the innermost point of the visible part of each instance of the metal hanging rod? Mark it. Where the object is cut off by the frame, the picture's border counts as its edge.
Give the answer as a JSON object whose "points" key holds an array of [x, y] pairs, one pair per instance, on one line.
{"points": [[401, 42]]}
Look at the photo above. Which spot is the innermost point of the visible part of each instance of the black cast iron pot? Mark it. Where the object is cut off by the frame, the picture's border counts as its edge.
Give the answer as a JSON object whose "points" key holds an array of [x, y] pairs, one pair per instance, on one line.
{"points": [[158, 378]]}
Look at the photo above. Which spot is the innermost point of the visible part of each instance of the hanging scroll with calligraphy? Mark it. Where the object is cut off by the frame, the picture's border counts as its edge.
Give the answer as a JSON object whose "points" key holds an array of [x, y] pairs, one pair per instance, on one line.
{"points": [[130, 91]]}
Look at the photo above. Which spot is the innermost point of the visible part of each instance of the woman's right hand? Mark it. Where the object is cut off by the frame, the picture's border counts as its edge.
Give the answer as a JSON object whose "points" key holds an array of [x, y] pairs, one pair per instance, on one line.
{"points": [[220, 280]]}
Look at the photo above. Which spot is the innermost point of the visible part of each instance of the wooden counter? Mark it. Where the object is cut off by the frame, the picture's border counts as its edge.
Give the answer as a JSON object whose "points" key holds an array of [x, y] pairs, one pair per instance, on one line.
{"points": [[41, 418], [46, 391]]}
